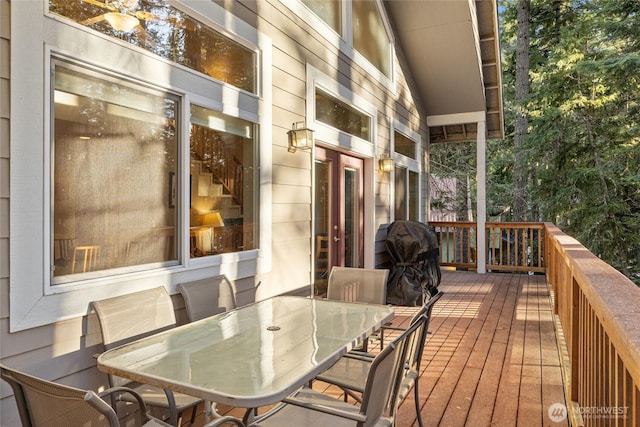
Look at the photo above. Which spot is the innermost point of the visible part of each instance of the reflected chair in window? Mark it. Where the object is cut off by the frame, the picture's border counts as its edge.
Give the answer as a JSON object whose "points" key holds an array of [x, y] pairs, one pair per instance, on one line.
{"points": [[133, 316], [41, 402], [87, 256], [322, 256], [351, 371], [63, 250], [310, 407]]}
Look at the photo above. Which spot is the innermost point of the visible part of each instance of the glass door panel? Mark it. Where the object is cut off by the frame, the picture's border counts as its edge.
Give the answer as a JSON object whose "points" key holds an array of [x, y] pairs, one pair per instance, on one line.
{"points": [[323, 221]]}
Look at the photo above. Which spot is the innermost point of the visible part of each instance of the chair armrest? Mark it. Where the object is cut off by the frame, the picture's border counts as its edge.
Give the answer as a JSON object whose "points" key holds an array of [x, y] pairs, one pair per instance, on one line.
{"points": [[355, 416], [394, 328], [144, 414], [112, 390], [225, 420], [360, 355]]}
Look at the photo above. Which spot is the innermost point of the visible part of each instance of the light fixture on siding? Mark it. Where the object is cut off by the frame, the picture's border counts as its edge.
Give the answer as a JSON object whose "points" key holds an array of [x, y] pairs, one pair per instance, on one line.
{"points": [[300, 137], [385, 164]]}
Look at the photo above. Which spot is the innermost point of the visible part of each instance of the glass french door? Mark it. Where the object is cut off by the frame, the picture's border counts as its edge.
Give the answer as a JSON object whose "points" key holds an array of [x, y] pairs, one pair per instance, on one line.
{"points": [[339, 215]]}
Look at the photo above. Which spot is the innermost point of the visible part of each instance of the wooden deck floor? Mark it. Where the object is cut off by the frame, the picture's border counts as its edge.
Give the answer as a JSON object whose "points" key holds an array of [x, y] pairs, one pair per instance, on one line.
{"points": [[491, 358]]}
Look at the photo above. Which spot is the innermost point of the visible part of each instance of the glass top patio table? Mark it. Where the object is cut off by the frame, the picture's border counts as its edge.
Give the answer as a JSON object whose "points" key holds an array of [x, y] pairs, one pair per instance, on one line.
{"points": [[252, 356]]}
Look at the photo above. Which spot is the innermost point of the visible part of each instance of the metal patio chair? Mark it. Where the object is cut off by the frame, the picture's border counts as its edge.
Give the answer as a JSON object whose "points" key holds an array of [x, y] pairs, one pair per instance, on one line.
{"points": [[310, 408], [133, 316], [206, 297], [350, 372], [358, 284], [41, 402], [351, 284]]}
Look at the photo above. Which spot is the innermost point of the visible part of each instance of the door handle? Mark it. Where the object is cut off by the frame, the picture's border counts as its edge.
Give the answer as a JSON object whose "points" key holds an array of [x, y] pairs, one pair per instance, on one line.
{"points": [[336, 239]]}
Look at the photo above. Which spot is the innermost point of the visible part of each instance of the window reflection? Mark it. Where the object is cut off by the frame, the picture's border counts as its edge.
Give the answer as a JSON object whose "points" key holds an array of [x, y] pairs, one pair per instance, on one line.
{"points": [[222, 176], [370, 35], [167, 32], [328, 11], [341, 116], [114, 157], [404, 145]]}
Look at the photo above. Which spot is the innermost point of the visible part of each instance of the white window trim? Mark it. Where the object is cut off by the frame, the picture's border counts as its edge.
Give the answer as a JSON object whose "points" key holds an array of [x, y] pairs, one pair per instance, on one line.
{"points": [[345, 43], [33, 302], [411, 165]]}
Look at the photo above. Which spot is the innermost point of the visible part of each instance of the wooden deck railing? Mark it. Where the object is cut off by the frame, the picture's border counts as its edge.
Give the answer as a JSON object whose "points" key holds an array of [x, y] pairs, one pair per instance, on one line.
{"points": [[510, 246], [598, 313], [596, 310]]}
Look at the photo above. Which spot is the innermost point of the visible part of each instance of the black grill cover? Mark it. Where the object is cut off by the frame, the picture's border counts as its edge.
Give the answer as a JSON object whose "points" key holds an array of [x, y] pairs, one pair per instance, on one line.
{"points": [[415, 256]]}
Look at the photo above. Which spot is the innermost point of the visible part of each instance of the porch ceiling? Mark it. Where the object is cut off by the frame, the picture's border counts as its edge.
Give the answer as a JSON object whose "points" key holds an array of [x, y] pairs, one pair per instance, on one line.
{"points": [[452, 48]]}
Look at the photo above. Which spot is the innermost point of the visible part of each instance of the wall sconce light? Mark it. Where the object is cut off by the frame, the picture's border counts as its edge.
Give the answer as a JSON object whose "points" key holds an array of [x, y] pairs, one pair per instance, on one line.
{"points": [[300, 137], [386, 164]]}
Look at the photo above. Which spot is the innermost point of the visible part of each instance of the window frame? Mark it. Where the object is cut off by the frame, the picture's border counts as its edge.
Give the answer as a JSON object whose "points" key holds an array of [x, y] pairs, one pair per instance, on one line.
{"points": [[344, 41], [100, 73], [407, 163], [33, 300]]}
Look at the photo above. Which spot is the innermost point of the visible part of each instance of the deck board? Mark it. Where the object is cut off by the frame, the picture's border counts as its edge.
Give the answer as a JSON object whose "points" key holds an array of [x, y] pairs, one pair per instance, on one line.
{"points": [[491, 358]]}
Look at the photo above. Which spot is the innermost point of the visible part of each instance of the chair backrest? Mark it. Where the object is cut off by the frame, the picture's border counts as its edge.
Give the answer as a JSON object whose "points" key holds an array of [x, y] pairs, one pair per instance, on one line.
{"points": [[385, 374], [132, 316], [358, 285], [206, 297], [416, 348], [45, 403]]}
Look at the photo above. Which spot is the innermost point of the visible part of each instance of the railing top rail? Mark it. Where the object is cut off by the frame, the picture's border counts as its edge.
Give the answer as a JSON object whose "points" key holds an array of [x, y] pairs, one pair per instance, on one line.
{"points": [[504, 224], [614, 298]]}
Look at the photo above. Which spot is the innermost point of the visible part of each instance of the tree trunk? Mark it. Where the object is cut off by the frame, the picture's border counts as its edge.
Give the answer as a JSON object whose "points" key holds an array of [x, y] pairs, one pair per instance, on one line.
{"points": [[521, 119]]}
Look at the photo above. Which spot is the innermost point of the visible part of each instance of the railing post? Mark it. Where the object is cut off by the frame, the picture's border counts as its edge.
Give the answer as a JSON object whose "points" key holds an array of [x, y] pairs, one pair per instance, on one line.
{"points": [[481, 244]]}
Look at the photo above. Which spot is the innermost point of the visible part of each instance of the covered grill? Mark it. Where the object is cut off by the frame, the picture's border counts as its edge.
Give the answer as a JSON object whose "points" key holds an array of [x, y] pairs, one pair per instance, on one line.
{"points": [[415, 256]]}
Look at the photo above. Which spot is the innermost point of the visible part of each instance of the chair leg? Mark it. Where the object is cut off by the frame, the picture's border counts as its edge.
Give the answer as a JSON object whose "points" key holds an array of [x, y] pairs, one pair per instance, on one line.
{"points": [[194, 413], [416, 397]]}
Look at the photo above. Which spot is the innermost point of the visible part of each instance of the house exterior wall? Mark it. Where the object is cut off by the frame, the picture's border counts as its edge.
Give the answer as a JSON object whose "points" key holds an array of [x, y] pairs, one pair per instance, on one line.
{"points": [[63, 350]]}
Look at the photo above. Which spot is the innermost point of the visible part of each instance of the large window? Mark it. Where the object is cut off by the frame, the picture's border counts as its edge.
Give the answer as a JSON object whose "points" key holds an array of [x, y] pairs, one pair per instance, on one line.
{"points": [[114, 156], [116, 172], [370, 36], [407, 173], [162, 29], [222, 152], [352, 26], [406, 194]]}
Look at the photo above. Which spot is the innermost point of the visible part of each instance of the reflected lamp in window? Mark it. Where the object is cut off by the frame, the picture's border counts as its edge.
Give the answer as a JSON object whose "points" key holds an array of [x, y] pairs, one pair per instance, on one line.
{"points": [[114, 157]]}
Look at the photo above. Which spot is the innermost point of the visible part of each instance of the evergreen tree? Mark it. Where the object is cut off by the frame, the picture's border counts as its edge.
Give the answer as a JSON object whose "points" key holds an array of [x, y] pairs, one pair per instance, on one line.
{"points": [[581, 153]]}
